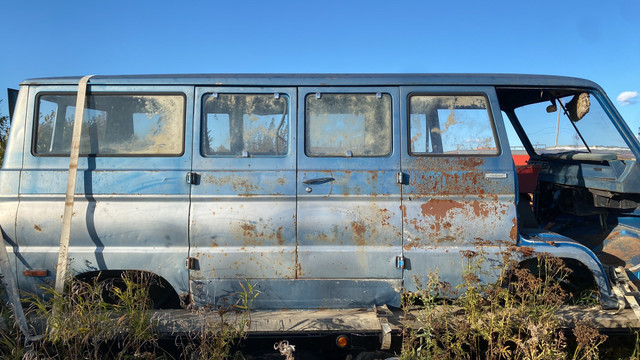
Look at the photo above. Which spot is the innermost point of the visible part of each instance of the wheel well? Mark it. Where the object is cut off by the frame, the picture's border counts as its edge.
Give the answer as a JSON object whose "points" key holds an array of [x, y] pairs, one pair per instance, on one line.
{"points": [[161, 293], [579, 283]]}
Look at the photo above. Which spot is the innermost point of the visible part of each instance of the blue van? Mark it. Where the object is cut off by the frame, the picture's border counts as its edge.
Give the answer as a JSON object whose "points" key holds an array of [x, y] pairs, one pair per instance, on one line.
{"points": [[327, 191]]}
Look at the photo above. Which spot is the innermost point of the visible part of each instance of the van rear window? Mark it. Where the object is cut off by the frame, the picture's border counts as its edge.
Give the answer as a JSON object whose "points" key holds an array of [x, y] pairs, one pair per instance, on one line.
{"points": [[348, 125], [113, 125], [451, 125]]}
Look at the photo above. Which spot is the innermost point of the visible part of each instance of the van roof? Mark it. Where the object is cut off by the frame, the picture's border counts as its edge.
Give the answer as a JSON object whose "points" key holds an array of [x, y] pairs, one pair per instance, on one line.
{"points": [[322, 80]]}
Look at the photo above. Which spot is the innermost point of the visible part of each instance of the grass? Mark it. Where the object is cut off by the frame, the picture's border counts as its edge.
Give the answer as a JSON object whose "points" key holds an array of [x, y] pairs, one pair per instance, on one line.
{"points": [[113, 320], [512, 318]]}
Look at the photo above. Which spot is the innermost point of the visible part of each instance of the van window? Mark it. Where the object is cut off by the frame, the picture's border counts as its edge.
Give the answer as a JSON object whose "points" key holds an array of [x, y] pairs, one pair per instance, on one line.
{"points": [[348, 125], [113, 125], [243, 125], [552, 130], [451, 124]]}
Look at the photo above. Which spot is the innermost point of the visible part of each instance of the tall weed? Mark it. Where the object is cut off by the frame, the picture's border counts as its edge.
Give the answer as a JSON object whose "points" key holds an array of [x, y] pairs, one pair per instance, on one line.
{"points": [[512, 318]]}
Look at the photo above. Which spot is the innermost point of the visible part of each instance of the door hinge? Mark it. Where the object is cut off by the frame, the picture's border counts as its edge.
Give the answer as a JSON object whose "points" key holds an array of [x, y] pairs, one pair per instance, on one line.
{"points": [[400, 261], [192, 263], [192, 178]]}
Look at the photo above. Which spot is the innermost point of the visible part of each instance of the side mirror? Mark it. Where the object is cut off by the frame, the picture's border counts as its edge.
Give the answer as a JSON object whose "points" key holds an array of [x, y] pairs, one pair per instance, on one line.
{"points": [[13, 98]]}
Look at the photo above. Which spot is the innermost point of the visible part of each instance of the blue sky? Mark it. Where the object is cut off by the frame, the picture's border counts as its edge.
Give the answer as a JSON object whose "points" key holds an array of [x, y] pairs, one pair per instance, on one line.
{"points": [[592, 39]]}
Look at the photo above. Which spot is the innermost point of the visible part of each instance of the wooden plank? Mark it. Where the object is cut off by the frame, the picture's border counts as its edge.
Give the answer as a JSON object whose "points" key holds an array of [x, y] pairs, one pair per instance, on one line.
{"points": [[360, 320], [258, 322], [624, 319], [182, 322]]}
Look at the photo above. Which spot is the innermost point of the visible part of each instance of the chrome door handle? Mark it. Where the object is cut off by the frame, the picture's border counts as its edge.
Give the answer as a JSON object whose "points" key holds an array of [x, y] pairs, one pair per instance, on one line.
{"points": [[317, 181]]}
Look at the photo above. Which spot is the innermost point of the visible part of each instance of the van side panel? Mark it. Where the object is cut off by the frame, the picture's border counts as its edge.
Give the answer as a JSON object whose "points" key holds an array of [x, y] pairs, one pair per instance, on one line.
{"points": [[130, 212], [459, 195], [349, 225], [243, 202], [10, 173]]}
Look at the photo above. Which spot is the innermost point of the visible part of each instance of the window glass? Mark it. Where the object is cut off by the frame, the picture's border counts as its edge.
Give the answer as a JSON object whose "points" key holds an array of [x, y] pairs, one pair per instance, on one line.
{"points": [[550, 129], [245, 125], [451, 124], [112, 125], [348, 125], [512, 135]]}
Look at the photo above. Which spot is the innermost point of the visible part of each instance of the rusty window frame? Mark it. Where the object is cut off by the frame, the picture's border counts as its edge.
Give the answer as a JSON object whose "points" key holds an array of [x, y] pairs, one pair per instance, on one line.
{"points": [[491, 119], [36, 114]]}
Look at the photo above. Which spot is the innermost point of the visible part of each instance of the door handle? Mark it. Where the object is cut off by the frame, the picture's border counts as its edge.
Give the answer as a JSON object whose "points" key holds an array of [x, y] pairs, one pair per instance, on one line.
{"points": [[317, 181]]}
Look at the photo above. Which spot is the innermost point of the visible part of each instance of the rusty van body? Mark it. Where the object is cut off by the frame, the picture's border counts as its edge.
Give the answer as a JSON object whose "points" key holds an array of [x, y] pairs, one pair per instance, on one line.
{"points": [[327, 191]]}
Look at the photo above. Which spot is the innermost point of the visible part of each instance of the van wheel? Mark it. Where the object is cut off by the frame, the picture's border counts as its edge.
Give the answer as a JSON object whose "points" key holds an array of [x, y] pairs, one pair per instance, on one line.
{"points": [[161, 293]]}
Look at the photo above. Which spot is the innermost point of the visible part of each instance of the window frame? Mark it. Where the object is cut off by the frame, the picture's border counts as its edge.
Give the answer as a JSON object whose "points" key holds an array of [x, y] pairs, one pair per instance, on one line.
{"points": [[305, 127], [36, 115], [202, 98], [227, 163]]}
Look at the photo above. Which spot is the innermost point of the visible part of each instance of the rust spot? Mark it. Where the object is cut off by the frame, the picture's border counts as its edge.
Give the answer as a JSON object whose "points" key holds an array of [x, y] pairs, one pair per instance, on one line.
{"points": [[439, 208], [447, 164], [359, 233], [513, 234], [386, 216], [480, 209], [249, 229], [525, 250], [38, 228], [279, 236], [446, 239], [623, 248], [358, 229], [241, 185]]}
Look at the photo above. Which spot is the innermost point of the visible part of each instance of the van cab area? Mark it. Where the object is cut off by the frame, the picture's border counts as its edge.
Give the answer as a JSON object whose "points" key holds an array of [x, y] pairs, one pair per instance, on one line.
{"points": [[326, 191]]}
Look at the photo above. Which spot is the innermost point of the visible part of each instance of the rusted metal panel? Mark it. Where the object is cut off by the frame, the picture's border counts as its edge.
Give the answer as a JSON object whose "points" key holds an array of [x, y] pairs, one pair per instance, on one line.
{"points": [[349, 227], [243, 205], [238, 237], [622, 246], [453, 202]]}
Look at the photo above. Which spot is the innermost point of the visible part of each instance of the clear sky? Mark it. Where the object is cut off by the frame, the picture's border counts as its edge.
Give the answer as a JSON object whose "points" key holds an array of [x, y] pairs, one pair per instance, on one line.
{"points": [[598, 40]]}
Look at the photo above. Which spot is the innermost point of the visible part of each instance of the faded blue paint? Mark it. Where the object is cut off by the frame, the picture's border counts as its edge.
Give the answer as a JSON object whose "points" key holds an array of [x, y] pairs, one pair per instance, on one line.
{"points": [[329, 244]]}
